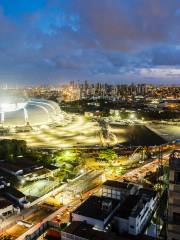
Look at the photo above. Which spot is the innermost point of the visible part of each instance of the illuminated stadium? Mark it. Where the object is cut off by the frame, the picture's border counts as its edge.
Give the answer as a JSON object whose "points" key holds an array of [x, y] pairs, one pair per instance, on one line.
{"points": [[17, 110]]}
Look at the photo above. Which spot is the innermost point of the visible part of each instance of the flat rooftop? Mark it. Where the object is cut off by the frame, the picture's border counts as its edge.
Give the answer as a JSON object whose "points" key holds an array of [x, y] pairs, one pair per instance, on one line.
{"points": [[13, 191], [134, 204], [9, 166], [4, 202], [37, 172], [92, 207], [83, 230], [149, 193], [24, 164], [117, 184], [126, 208]]}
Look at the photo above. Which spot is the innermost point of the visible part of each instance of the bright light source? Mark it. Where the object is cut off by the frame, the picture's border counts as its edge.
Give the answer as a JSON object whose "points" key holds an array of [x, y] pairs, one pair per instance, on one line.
{"points": [[82, 171], [67, 153], [23, 181], [11, 107], [132, 116]]}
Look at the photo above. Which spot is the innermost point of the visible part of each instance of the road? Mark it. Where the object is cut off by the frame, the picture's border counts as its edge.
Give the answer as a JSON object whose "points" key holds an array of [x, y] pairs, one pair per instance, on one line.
{"points": [[61, 214], [137, 174], [61, 211], [75, 186], [32, 215]]}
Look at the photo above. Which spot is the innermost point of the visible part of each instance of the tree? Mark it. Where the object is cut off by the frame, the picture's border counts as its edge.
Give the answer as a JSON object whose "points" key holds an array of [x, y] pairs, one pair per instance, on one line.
{"points": [[67, 156], [108, 155], [10, 149]]}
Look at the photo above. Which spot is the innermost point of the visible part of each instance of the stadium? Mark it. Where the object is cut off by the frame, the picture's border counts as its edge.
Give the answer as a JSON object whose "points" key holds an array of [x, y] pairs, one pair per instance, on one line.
{"points": [[17, 110]]}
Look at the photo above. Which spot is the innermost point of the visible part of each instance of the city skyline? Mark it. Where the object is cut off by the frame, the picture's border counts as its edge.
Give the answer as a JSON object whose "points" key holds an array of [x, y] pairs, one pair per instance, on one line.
{"points": [[89, 119], [118, 42]]}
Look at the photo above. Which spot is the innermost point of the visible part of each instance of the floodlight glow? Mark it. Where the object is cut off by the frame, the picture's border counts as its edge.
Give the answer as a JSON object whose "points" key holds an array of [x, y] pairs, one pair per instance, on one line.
{"points": [[16, 110], [132, 116], [82, 171], [11, 107], [23, 181]]}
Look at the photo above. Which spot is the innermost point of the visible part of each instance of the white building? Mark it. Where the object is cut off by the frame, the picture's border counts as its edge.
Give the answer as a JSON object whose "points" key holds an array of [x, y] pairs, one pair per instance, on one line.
{"points": [[136, 211], [118, 190], [96, 211], [84, 231]]}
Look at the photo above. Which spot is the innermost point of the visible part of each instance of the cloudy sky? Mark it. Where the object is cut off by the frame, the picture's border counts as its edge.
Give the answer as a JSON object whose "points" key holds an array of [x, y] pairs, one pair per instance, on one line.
{"points": [[117, 41]]}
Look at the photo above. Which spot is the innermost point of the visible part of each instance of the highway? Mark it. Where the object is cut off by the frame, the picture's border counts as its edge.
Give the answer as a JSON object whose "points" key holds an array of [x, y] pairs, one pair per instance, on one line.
{"points": [[61, 211]]}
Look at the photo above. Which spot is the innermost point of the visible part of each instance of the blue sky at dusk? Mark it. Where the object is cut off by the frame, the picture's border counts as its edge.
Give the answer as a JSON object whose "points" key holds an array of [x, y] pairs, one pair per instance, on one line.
{"points": [[117, 41]]}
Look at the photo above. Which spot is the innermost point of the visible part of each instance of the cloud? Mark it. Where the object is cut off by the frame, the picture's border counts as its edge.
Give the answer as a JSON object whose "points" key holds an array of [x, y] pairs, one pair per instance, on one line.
{"points": [[128, 25], [61, 40]]}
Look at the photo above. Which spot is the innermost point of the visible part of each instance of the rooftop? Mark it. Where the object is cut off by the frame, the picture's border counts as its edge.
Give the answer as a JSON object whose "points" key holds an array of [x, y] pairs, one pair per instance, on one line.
{"points": [[4, 202], [9, 166], [120, 185], [21, 163], [134, 204], [126, 208], [81, 229], [92, 207], [16, 193], [147, 192]]}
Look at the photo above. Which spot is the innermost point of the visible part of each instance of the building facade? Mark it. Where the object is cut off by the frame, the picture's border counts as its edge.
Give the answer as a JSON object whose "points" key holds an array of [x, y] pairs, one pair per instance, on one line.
{"points": [[96, 211], [173, 230], [136, 212], [118, 190]]}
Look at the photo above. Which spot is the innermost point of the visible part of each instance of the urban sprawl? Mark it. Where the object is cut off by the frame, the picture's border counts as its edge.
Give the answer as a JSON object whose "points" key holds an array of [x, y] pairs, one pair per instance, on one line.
{"points": [[90, 161]]}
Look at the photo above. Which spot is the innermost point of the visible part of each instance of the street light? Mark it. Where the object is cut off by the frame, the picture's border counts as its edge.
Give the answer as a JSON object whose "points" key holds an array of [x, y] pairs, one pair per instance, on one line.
{"points": [[132, 116], [23, 181], [82, 171]]}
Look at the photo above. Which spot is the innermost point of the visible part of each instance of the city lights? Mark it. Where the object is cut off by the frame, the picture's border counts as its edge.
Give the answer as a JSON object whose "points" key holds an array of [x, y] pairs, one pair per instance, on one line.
{"points": [[89, 120], [19, 111], [8, 107], [132, 116]]}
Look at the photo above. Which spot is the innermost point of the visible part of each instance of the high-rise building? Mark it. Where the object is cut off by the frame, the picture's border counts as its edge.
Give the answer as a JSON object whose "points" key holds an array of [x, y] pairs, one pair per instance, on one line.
{"points": [[173, 229]]}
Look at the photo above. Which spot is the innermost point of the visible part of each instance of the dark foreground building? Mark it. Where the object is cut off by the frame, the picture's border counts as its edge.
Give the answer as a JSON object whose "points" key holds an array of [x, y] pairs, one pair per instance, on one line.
{"points": [[174, 197]]}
